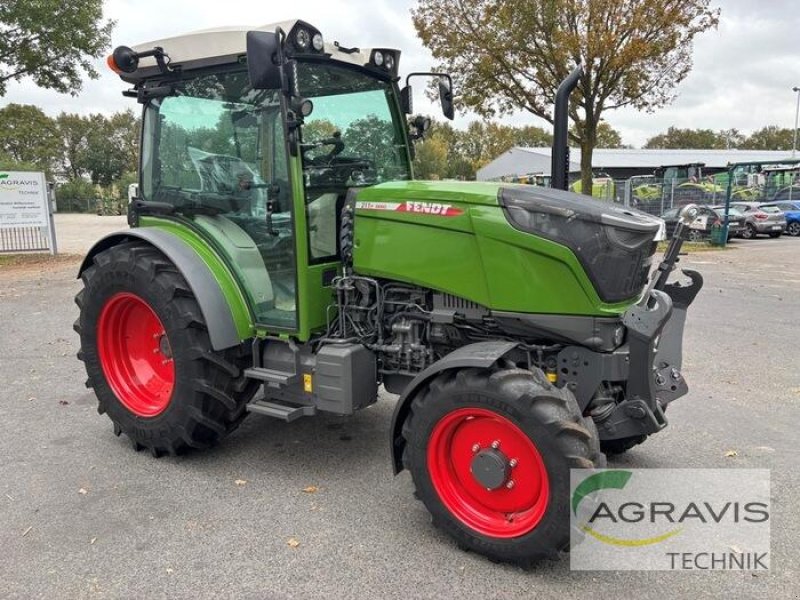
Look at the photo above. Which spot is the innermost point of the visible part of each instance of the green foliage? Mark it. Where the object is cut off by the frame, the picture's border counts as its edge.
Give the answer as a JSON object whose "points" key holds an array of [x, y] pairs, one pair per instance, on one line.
{"points": [[770, 137], [509, 56], [110, 146], [315, 130], [449, 153], [373, 138], [9, 164], [27, 136], [607, 136], [76, 195], [52, 41], [430, 161], [698, 139]]}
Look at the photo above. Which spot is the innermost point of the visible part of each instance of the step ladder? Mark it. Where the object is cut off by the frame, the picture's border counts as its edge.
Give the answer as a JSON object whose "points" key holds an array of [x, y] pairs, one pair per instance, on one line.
{"points": [[278, 410]]}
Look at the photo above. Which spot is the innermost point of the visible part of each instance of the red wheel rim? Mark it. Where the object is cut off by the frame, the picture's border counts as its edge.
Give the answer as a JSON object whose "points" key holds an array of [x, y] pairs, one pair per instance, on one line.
{"points": [[517, 505], [135, 354]]}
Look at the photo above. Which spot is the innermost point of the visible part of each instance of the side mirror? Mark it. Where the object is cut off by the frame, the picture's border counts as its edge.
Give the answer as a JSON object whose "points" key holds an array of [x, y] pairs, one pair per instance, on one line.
{"points": [[265, 60], [446, 96], [406, 101]]}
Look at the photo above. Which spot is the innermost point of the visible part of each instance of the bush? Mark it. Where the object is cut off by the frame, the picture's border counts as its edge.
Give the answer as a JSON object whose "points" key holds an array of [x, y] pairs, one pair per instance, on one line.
{"points": [[76, 195]]}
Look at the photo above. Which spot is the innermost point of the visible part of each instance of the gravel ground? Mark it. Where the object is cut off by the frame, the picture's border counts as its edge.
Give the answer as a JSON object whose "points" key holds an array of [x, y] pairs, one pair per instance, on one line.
{"points": [[75, 233], [83, 516]]}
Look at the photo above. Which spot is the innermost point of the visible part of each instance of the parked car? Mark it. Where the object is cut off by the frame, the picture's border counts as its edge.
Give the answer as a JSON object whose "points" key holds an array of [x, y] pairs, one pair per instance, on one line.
{"points": [[791, 210], [768, 219], [706, 218]]}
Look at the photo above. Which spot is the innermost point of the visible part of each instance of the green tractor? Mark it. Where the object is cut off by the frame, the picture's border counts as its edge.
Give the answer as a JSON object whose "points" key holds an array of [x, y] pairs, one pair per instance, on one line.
{"points": [[282, 260], [690, 183]]}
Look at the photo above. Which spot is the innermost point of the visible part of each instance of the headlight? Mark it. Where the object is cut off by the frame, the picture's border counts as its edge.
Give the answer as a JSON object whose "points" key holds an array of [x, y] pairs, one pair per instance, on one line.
{"points": [[390, 62], [317, 42], [378, 58], [302, 39]]}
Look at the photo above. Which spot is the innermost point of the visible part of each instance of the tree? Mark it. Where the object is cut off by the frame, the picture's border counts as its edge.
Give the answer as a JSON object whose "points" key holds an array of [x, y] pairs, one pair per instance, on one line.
{"points": [[111, 146], [72, 131], [699, 139], [372, 138], [676, 138], [506, 56], [9, 164], [482, 142], [607, 136], [431, 158], [51, 41], [770, 137], [76, 195], [28, 136]]}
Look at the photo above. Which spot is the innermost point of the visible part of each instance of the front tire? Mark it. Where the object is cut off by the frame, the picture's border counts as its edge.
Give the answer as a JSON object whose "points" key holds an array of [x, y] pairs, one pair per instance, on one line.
{"points": [[793, 228], [148, 356], [490, 453]]}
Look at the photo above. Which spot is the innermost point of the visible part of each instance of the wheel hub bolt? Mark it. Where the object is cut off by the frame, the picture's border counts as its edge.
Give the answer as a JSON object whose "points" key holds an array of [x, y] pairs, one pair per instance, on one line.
{"points": [[513, 463], [476, 447], [496, 444], [510, 484]]}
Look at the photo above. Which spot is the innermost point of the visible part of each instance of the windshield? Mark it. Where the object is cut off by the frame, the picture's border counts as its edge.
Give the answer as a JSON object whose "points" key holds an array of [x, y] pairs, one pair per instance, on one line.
{"points": [[350, 138]]}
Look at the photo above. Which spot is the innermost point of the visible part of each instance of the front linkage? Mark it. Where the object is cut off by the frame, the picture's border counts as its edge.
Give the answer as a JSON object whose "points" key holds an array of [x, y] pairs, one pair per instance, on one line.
{"points": [[654, 353]]}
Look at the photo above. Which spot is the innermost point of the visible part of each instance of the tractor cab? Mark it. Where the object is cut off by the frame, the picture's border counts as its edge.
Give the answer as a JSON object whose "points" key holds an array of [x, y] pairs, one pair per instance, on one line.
{"points": [[268, 128], [690, 172]]}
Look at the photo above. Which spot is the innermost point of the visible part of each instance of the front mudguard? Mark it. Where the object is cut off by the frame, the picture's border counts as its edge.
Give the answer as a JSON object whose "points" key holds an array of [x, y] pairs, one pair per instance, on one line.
{"points": [[655, 355]]}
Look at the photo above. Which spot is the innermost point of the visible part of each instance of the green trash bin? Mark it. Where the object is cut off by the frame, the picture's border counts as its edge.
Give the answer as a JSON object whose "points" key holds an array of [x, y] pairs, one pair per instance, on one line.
{"points": [[719, 234]]}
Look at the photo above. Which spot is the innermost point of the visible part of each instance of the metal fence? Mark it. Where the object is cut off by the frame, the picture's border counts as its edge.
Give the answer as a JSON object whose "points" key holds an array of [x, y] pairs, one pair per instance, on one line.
{"points": [[658, 196], [24, 239]]}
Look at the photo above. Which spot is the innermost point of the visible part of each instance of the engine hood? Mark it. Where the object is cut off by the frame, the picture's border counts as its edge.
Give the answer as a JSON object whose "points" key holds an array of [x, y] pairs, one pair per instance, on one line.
{"points": [[467, 192]]}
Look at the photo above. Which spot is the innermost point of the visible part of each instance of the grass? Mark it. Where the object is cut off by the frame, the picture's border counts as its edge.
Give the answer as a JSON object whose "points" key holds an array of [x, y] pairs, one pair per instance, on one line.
{"points": [[690, 247]]}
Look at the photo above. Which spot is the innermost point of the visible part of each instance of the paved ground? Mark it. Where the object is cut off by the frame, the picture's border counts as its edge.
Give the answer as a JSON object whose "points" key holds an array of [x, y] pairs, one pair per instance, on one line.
{"points": [[75, 232], [82, 515]]}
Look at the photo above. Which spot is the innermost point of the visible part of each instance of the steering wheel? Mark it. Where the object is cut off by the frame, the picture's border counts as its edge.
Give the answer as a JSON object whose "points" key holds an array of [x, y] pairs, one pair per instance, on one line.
{"points": [[326, 159]]}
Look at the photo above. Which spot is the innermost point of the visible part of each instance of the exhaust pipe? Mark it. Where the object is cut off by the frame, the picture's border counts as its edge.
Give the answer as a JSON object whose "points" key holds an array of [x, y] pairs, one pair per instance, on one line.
{"points": [[559, 156]]}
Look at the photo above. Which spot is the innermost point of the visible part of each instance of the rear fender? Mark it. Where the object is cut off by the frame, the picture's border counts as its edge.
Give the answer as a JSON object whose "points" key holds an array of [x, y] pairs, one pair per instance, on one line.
{"points": [[228, 318]]}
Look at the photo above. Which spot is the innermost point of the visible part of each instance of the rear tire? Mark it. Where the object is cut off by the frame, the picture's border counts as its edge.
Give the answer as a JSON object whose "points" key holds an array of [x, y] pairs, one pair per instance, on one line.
{"points": [[777, 234], [749, 232], [695, 235], [148, 356], [536, 423]]}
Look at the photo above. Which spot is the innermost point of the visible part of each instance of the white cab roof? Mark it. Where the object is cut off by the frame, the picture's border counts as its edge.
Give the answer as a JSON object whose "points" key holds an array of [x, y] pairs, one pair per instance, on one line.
{"points": [[224, 44]]}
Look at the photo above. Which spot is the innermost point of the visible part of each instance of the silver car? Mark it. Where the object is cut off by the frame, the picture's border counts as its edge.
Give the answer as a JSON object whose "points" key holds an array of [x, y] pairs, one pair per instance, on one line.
{"points": [[761, 219]]}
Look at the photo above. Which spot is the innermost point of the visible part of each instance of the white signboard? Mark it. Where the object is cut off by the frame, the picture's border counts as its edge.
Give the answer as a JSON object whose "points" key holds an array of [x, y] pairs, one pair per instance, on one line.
{"points": [[23, 200]]}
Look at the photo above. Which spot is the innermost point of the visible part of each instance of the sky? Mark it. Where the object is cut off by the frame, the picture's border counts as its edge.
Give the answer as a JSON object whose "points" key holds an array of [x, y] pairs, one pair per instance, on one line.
{"points": [[742, 77]]}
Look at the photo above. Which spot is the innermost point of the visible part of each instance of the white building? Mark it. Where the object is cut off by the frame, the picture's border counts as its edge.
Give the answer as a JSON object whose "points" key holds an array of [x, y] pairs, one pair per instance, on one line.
{"points": [[619, 163]]}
